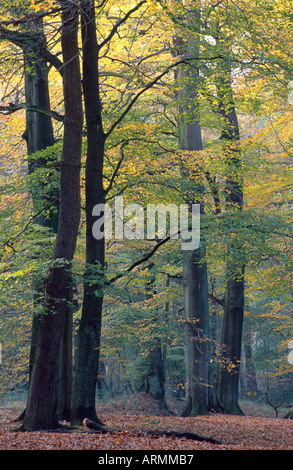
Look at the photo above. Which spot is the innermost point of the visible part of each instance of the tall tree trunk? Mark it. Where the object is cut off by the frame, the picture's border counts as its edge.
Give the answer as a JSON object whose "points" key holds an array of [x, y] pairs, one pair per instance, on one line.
{"points": [[250, 375], [64, 372], [40, 410], [194, 265], [38, 135], [155, 377], [89, 332], [228, 371]]}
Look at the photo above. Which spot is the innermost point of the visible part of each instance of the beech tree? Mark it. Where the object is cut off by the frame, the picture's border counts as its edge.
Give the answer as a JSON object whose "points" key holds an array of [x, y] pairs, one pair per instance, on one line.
{"points": [[39, 135], [40, 412], [149, 136], [195, 279], [228, 370], [89, 332]]}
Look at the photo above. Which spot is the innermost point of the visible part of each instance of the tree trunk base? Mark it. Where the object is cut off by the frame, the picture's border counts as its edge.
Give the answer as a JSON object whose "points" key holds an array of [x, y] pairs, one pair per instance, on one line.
{"points": [[193, 409], [289, 415]]}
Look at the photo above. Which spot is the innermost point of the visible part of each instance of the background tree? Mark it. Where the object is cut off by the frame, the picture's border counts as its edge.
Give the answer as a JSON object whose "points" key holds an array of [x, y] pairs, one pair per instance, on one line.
{"points": [[195, 279], [228, 372]]}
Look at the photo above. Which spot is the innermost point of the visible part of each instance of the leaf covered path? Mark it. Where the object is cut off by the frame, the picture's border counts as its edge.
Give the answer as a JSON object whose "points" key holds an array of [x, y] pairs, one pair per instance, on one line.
{"points": [[235, 433]]}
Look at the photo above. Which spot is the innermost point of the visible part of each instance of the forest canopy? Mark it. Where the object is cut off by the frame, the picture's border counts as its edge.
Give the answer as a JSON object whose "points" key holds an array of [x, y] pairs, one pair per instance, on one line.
{"points": [[162, 104]]}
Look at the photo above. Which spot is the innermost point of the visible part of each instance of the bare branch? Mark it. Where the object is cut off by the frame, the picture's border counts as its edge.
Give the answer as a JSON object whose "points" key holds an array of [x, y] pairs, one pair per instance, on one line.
{"points": [[151, 84], [12, 108], [116, 169], [141, 260], [120, 22], [26, 41]]}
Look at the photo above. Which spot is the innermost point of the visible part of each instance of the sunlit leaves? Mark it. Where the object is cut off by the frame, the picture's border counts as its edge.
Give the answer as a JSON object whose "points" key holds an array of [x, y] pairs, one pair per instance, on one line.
{"points": [[38, 5], [255, 43]]}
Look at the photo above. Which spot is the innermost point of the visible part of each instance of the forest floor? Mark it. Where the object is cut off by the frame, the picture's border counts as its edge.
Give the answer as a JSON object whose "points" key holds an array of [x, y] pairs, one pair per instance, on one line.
{"points": [[140, 412]]}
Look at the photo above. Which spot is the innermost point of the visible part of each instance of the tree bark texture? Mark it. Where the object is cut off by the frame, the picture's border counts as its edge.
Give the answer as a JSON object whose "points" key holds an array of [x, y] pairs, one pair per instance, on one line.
{"points": [[250, 375], [89, 332], [194, 264], [39, 135], [64, 371], [40, 410]]}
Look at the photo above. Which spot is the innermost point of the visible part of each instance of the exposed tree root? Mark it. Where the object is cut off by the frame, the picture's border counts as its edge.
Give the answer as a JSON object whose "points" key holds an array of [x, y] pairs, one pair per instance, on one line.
{"points": [[98, 427], [185, 434], [95, 427]]}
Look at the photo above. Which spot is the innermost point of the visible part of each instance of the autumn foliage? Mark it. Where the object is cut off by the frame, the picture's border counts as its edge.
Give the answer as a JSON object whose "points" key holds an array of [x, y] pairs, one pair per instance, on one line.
{"points": [[173, 102]]}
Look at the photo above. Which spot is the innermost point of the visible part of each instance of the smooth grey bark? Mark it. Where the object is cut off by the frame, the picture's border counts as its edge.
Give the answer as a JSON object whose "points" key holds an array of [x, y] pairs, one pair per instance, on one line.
{"points": [[231, 340], [63, 378], [40, 409], [250, 378], [194, 263], [228, 371]]}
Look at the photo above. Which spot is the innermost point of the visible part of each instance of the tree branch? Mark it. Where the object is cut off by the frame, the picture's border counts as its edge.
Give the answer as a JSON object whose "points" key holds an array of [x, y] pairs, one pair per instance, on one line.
{"points": [[116, 169], [10, 241], [151, 84], [12, 108], [25, 41], [120, 22], [141, 260], [102, 428], [216, 299]]}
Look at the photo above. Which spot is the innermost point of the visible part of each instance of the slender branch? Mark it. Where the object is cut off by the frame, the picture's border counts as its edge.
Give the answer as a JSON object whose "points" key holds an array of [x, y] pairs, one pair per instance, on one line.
{"points": [[35, 16], [151, 84], [25, 41], [120, 22], [141, 260], [12, 108], [216, 299], [116, 169], [11, 240]]}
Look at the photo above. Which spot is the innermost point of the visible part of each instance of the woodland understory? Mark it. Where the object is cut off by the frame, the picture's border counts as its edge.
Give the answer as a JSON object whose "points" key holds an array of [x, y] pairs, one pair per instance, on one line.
{"points": [[109, 111]]}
